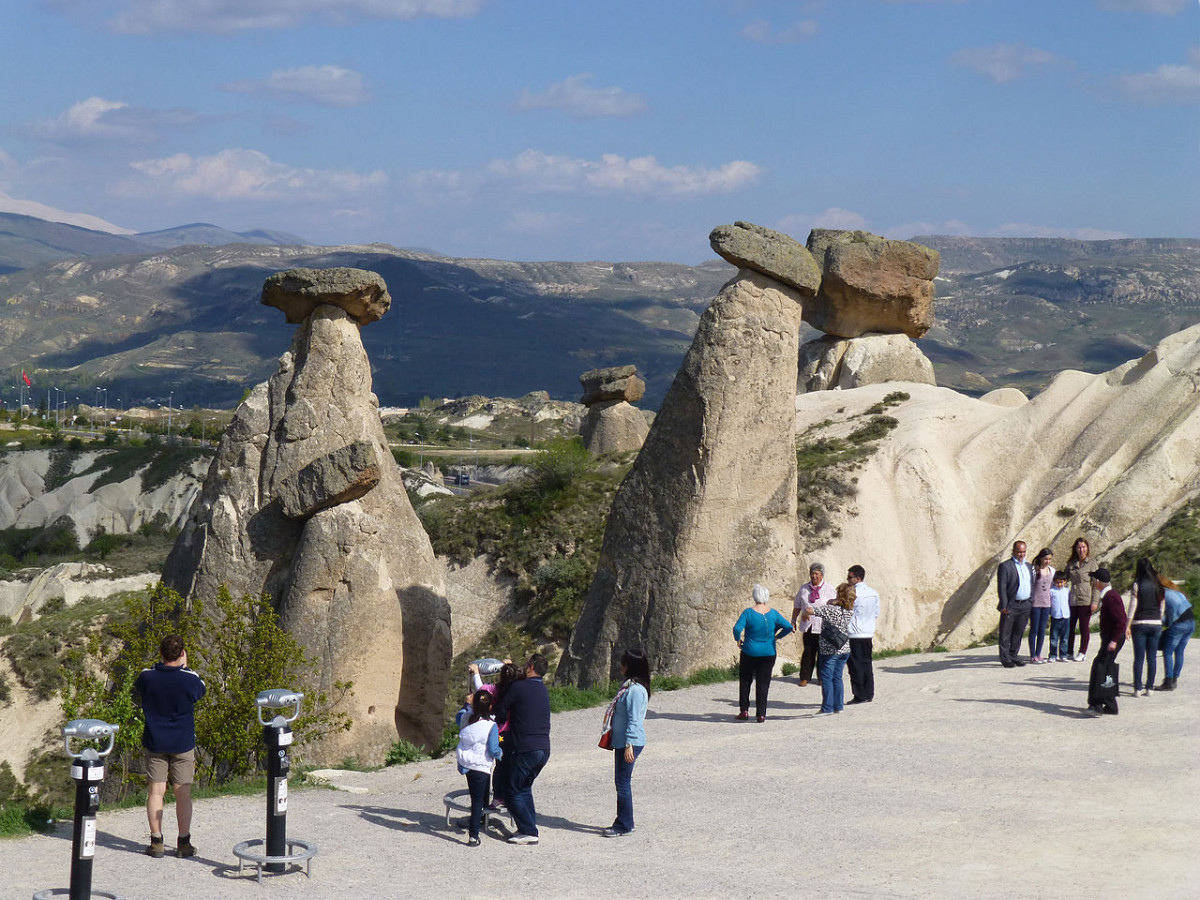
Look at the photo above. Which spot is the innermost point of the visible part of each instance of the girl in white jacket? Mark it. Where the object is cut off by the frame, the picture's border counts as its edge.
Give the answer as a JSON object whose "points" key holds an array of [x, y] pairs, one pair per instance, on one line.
{"points": [[478, 750]]}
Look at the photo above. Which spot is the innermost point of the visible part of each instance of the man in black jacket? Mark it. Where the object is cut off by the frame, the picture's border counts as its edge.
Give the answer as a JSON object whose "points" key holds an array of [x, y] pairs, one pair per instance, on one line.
{"points": [[1014, 585], [168, 694], [526, 704]]}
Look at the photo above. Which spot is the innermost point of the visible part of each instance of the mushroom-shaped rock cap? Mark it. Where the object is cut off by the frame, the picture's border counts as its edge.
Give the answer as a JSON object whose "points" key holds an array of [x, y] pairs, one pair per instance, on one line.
{"points": [[771, 253], [362, 294], [613, 383]]}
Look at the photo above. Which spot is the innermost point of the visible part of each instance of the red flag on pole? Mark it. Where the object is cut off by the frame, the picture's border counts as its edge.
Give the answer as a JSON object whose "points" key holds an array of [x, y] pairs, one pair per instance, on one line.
{"points": [[28, 383]]}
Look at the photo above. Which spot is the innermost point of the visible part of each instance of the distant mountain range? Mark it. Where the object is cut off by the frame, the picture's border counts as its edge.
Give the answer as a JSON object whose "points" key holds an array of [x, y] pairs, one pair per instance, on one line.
{"points": [[178, 311], [27, 241]]}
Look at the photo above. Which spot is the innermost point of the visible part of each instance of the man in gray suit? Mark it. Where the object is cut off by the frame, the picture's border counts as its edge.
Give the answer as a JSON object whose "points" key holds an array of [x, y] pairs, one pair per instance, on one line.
{"points": [[1014, 584]]}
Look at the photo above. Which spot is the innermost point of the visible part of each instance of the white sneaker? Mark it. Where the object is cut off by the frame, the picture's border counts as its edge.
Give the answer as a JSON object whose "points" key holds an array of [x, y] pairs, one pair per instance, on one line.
{"points": [[1079, 657], [523, 839], [1063, 659]]}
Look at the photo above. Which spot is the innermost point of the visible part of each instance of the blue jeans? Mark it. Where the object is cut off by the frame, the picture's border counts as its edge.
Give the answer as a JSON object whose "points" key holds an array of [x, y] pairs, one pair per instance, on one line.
{"points": [[1145, 650], [1039, 616], [1173, 642], [1059, 630], [833, 692], [623, 775], [527, 765]]}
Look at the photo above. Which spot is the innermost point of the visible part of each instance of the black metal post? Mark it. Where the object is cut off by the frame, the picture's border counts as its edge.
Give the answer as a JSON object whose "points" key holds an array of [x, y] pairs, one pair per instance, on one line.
{"points": [[278, 738], [87, 772]]}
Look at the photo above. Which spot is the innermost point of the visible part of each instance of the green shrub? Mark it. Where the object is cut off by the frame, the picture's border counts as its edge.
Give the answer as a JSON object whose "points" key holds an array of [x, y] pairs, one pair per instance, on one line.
{"points": [[59, 471], [405, 458], [5, 690], [103, 543], [560, 463], [76, 443], [877, 428], [561, 585], [52, 605], [790, 668], [404, 752], [238, 647]]}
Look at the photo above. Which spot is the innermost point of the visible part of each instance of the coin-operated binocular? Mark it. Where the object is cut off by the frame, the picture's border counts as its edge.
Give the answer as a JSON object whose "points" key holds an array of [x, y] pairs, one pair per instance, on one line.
{"points": [[277, 735], [87, 771]]}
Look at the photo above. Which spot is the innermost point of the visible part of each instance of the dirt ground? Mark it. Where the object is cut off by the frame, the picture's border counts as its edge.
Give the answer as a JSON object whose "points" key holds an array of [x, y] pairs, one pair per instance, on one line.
{"points": [[962, 779]]}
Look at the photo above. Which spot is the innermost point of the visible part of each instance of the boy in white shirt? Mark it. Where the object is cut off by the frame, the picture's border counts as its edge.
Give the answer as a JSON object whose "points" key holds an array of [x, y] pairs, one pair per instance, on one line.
{"points": [[1060, 616]]}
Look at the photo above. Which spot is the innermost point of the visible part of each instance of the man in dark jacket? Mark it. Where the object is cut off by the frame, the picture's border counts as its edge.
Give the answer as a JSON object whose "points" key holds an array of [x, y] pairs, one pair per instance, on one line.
{"points": [[168, 694], [1103, 686], [1014, 586], [526, 704]]}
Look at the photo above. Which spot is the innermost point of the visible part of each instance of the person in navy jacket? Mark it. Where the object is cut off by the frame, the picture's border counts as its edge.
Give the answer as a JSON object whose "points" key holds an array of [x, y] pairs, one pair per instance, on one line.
{"points": [[168, 694]]}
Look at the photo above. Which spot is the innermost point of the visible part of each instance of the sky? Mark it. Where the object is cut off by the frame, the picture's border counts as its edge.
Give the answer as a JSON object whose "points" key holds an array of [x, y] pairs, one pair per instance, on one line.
{"points": [[604, 129]]}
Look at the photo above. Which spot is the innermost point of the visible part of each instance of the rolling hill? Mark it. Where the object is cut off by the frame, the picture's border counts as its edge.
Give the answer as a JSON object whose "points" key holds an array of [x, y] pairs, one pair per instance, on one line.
{"points": [[81, 310]]}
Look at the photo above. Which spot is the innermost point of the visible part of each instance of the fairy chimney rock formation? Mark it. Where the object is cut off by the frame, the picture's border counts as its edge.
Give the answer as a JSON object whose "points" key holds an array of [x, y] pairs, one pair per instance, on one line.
{"points": [[613, 383], [304, 502], [612, 425], [871, 284], [709, 507]]}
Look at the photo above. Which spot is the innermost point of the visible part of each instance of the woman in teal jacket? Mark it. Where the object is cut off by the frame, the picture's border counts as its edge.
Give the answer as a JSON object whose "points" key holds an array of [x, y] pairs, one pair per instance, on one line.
{"points": [[756, 630], [626, 717]]}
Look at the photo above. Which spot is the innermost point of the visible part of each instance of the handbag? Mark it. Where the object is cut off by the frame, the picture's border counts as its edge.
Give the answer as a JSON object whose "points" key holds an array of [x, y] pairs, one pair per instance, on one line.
{"points": [[835, 635], [605, 742]]}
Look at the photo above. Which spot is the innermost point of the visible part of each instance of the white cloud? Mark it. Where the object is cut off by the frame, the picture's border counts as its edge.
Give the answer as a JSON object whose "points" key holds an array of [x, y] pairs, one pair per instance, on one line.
{"points": [[1159, 7], [50, 214], [536, 222], [332, 86], [576, 97], [1003, 62], [541, 173], [798, 225], [763, 32], [225, 16], [240, 174], [1166, 84], [97, 119]]}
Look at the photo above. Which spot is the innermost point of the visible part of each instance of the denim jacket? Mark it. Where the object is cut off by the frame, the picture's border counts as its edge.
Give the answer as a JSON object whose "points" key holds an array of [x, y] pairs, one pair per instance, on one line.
{"points": [[629, 716]]}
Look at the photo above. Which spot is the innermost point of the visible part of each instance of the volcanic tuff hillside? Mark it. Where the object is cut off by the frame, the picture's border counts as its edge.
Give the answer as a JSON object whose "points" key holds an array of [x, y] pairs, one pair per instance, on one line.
{"points": [[187, 319]]}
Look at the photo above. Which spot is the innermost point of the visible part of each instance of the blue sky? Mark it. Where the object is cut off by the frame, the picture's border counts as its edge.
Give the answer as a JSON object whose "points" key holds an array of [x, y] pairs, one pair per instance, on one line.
{"points": [[606, 130]]}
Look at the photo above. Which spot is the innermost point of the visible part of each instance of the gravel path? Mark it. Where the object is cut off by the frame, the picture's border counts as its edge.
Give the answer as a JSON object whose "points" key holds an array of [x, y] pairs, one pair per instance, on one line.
{"points": [[962, 779]]}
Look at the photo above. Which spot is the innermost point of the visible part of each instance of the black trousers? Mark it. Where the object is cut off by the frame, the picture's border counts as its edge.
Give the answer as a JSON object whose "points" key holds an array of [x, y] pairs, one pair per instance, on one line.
{"points": [[1012, 629], [756, 669], [1100, 666], [808, 658], [862, 676]]}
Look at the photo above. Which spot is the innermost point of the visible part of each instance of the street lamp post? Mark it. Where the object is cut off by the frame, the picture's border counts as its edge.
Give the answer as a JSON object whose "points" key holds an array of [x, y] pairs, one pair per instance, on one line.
{"points": [[170, 398]]}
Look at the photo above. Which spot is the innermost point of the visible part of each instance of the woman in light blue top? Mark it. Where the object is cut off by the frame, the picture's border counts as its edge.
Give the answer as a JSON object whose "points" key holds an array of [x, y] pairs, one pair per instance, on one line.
{"points": [[1179, 623], [756, 630], [626, 716]]}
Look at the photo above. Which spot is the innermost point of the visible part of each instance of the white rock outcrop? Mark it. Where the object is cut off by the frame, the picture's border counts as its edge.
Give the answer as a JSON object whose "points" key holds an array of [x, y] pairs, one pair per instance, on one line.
{"points": [[121, 507], [830, 362], [947, 492]]}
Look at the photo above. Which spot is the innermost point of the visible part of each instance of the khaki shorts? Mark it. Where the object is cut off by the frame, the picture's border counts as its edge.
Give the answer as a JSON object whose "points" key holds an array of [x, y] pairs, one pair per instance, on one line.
{"points": [[181, 767]]}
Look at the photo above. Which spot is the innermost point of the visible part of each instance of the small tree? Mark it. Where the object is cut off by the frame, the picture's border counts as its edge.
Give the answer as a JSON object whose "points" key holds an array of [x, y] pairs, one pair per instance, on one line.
{"points": [[238, 648], [561, 463]]}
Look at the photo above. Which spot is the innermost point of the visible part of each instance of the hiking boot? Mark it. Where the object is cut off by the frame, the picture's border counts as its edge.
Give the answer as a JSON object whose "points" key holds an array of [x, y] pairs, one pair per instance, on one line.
{"points": [[184, 847], [156, 847]]}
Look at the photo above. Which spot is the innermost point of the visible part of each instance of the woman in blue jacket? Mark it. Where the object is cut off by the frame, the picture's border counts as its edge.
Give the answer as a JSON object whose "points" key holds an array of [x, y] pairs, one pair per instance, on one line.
{"points": [[627, 718], [1179, 623], [757, 629]]}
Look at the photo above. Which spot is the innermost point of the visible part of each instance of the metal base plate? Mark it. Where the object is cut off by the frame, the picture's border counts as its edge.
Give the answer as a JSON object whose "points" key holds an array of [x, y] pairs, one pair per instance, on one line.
{"points": [[307, 850]]}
